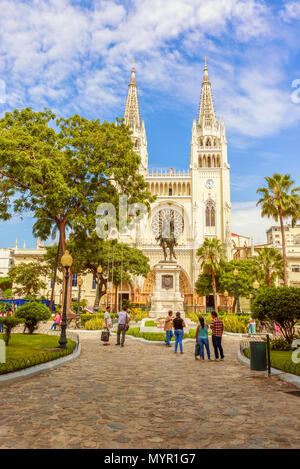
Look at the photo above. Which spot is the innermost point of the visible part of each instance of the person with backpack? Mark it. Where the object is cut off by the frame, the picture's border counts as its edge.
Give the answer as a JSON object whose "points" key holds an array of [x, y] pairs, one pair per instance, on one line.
{"points": [[202, 340], [107, 325]]}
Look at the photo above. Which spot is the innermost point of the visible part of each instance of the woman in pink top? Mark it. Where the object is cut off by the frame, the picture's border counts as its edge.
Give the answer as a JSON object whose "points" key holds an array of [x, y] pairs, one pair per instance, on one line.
{"points": [[57, 321]]}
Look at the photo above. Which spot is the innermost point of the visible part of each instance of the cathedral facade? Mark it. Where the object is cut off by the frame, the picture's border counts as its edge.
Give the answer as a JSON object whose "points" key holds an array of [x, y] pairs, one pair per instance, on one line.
{"points": [[198, 198]]}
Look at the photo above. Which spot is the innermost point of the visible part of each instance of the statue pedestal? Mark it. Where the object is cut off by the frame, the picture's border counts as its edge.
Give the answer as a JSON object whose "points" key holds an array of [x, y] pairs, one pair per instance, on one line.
{"points": [[166, 295]]}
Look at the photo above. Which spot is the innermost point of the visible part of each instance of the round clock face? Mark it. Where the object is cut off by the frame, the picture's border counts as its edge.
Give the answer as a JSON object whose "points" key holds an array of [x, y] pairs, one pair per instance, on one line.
{"points": [[209, 183], [161, 223]]}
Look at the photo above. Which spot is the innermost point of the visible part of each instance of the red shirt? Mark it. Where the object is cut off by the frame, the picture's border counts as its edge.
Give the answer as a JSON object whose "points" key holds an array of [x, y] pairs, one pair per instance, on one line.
{"points": [[217, 327]]}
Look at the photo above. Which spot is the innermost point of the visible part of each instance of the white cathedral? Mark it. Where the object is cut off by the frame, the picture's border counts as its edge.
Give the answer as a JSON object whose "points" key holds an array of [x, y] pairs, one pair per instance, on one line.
{"points": [[199, 198]]}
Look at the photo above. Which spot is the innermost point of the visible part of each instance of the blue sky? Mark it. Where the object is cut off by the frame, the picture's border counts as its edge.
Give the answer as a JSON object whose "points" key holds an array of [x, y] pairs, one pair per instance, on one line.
{"points": [[75, 56]]}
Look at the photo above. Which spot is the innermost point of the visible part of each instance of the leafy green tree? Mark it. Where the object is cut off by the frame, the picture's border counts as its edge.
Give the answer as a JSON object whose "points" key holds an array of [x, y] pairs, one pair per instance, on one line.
{"points": [[246, 276], [9, 323], [203, 285], [281, 305], [281, 202], [32, 313], [61, 169], [28, 278], [118, 260], [5, 287], [211, 256], [269, 265]]}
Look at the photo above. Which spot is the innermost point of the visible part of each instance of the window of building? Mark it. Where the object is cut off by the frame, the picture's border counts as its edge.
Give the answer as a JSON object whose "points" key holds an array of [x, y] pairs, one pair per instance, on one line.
{"points": [[170, 190], [74, 280], [210, 214], [94, 283], [295, 268]]}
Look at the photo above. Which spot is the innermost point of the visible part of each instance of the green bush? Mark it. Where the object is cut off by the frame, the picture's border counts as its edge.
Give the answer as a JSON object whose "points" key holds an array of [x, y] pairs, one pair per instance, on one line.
{"points": [[87, 317], [138, 315], [150, 324], [279, 344], [281, 305], [9, 323], [94, 324], [32, 313], [235, 324]]}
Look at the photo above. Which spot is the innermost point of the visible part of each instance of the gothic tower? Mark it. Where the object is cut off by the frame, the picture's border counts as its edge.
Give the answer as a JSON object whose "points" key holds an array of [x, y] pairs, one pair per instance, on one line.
{"points": [[210, 172], [132, 119]]}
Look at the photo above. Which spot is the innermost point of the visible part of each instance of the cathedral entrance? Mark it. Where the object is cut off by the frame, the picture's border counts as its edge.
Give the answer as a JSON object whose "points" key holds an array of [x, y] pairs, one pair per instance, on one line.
{"points": [[210, 303]]}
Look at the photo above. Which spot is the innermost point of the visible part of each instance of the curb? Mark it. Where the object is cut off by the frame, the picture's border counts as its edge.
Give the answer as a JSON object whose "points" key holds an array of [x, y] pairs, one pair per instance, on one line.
{"points": [[33, 370], [288, 377]]}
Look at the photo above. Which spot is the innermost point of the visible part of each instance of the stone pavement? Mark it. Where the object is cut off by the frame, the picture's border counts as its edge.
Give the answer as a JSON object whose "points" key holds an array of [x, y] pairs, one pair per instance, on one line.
{"points": [[145, 396]]}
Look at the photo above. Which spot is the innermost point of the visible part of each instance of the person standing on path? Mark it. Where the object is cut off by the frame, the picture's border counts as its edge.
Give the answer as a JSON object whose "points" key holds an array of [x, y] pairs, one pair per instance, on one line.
{"points": [[107, 324], [202, 340], [252, 326], [122, 325], [178, 324], [168, 328], [217, 332]]}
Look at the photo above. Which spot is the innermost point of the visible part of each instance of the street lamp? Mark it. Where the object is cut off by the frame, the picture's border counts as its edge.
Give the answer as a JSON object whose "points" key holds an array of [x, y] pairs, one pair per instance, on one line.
{"points": [[226, 300], [79, 283], [251, 298], [66, 262], [99, 271], [256, 287], [107, 297], [238, 307]]}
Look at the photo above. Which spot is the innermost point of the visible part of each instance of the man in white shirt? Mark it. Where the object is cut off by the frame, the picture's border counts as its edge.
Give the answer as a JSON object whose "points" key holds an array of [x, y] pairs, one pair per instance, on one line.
{"points": [[107, 323], [123, 320]]}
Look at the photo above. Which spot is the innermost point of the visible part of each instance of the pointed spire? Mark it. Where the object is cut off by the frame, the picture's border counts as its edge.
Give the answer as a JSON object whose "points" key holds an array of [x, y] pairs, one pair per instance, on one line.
{"points": [[206, 116], [16, 243], [132, 114]]}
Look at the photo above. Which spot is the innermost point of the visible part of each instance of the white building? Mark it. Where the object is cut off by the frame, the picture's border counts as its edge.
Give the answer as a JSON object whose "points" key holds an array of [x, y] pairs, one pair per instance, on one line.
{"points": [[199, 198]]}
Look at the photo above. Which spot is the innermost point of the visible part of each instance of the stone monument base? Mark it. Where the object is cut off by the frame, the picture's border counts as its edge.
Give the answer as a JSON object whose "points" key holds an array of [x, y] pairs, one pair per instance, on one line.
{"points": [[166, 295]]}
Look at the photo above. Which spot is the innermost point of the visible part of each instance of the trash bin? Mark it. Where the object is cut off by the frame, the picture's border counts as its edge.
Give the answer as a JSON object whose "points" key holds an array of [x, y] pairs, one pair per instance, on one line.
{"points": [[258, 356]]}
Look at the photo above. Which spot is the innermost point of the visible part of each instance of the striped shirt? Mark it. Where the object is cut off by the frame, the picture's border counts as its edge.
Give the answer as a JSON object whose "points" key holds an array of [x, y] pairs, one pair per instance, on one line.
{"points": [[217, 327]]}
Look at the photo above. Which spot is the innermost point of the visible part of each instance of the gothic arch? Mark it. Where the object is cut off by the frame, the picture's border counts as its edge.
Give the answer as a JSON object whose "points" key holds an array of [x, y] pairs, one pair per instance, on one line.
{"points": [[210, 213], [209, 161], [200, 162]]}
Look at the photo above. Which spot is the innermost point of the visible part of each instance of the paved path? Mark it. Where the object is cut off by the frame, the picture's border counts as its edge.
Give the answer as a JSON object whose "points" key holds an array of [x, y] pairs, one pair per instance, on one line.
{"points": [[143, 396]]}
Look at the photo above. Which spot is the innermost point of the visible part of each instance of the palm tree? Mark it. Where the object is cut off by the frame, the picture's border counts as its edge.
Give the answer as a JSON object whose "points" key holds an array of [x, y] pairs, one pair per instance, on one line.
{"points": [[211, 255], [269, 263], [281, 202]]}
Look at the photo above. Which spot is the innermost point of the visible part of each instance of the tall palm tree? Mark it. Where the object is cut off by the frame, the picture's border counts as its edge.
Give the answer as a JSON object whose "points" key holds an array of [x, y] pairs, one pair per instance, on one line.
{"points": [[280, 202], [211, 256], [269, 263]]}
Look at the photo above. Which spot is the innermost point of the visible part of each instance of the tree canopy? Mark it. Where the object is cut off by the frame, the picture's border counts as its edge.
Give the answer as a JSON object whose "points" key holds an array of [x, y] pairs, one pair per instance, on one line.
{"points": [[280, 201]]}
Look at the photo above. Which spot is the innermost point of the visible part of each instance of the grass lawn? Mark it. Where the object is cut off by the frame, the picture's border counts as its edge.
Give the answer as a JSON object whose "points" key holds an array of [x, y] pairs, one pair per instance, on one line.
{"points": [[281, 361], [31, 349]]}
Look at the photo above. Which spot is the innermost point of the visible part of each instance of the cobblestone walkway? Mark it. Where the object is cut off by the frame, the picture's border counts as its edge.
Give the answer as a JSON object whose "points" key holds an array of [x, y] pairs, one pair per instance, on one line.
{"points": [[143, 396]]}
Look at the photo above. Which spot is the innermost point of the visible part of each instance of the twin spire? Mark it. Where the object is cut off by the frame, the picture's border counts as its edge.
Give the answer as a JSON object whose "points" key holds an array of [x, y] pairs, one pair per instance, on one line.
{"points": [[132, 113], [206, 116]]}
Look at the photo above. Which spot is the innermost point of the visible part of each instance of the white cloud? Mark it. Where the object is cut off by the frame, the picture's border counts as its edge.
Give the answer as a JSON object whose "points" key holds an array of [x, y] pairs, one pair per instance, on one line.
{"points": [[246, 221], [74, 58], [291, 11]]}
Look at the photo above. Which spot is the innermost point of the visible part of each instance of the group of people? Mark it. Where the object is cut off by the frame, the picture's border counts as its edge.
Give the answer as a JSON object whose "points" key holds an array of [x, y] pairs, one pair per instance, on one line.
{"points": [[201, 338], [177, 323]]}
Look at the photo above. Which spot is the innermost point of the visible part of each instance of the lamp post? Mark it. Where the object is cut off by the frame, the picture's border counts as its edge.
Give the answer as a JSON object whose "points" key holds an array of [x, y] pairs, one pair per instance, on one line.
{"points": [[66, 262], [96, 306], [107, 297], [226, 300], [251, 298], [256, 287], [238, 307], [79, 283]]}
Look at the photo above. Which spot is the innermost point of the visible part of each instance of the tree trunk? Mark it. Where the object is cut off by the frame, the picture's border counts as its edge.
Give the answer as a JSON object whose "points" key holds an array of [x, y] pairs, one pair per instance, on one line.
{"points": [[214, 290], [63, 246], [283, 248], [54, 277], [268, 278]]}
